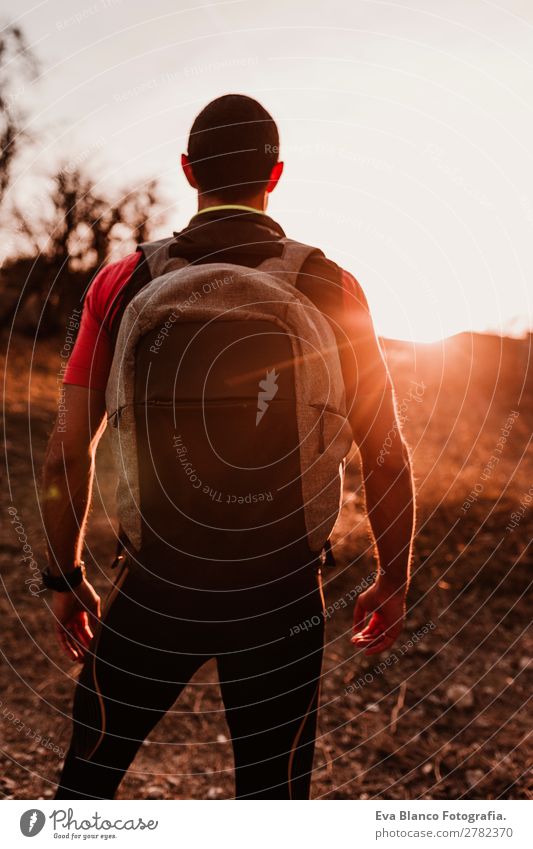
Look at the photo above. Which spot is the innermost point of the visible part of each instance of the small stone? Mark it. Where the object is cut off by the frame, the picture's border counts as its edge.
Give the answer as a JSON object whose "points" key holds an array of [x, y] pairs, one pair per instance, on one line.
{"points": [[474, 776], [214, 792], [460, 695], [221, 738], [372, 708], [154, 792], [426, 769], [524, 662]]}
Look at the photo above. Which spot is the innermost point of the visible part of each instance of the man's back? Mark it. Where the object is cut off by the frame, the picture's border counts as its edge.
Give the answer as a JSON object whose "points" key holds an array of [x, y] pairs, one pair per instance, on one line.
{"points": [[156, 632]]}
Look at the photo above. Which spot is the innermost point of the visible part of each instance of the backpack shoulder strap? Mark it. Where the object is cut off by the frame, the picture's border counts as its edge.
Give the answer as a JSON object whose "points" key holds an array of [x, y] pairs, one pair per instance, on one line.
{"points": [[156, 255], [290, 263]]}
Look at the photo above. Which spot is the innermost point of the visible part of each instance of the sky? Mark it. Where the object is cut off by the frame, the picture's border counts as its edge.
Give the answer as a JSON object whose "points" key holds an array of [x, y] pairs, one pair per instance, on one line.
{"points": [[406, 130]]}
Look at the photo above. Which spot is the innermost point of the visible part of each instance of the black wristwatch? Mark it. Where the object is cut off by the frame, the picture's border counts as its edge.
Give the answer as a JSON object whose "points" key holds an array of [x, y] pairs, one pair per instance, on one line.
{"points": [[64, 583]]}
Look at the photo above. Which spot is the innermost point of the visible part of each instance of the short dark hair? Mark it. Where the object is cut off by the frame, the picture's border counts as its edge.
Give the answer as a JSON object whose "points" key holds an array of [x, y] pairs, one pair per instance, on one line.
{"points": [[233, 146]]}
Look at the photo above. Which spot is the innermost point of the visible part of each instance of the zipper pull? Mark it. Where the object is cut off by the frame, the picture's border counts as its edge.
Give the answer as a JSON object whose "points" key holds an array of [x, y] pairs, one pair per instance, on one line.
{"points": [[328, 558], [113, 419], [321, 442]]}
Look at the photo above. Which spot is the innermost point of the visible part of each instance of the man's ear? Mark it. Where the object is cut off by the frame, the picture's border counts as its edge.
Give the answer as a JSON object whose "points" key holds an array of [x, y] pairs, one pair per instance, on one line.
{"points": [[187, 170], [275, 175]]}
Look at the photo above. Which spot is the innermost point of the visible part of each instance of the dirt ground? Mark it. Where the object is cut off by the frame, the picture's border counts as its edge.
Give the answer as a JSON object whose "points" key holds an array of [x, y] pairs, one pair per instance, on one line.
{"points": [[447, 717]]}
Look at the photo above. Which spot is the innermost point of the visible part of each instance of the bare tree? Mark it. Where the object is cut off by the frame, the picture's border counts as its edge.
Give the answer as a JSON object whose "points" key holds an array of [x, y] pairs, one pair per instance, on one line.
{"points": [[80, 224], [71, 238], [17, 65], [63, 239], [142, 211]]}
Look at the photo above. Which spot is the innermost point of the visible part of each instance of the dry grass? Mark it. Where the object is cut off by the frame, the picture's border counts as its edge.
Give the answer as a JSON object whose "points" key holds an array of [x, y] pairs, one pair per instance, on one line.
{"points": [[402, 735]]}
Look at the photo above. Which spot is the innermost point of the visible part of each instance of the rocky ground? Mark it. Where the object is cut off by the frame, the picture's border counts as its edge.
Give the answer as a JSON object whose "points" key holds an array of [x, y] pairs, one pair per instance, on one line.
{"points": [[447, 717]]}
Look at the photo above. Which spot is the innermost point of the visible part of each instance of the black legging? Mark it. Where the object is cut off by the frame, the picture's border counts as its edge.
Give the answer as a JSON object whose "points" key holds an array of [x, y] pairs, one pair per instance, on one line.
{"points": [[267, 640]]}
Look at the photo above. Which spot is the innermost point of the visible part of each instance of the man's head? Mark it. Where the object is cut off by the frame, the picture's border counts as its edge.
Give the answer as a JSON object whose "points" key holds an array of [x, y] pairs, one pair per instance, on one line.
{"points": [[233, 153]]}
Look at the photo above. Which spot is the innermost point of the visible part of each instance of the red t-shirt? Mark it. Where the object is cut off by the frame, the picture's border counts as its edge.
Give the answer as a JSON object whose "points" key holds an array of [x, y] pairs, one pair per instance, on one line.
{"points": [[90, 360]]}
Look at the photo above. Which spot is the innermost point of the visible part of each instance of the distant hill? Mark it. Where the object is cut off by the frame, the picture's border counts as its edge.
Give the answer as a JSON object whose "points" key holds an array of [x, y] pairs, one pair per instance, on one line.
{"points": [[466, 363]]}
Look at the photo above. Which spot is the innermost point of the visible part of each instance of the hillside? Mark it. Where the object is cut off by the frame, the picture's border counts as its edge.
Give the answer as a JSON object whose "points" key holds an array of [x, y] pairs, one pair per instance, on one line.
{"points": [[447, 718]]}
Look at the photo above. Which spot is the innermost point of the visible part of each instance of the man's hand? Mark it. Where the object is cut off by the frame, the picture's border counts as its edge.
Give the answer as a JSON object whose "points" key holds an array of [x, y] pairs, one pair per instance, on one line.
{"points": [[387, 614], [76, 614]]}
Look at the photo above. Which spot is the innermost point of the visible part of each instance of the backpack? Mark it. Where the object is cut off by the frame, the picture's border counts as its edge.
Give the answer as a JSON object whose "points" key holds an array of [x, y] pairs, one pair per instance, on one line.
{"points": [[227, 411]]}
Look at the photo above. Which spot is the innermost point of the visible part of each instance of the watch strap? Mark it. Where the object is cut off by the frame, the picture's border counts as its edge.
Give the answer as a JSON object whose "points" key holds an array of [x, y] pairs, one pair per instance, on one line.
{"points": [[66, 582]]}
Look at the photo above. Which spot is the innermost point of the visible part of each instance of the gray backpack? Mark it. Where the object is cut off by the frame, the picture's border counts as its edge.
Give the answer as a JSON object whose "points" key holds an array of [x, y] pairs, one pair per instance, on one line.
{"points": [[226, 400]]}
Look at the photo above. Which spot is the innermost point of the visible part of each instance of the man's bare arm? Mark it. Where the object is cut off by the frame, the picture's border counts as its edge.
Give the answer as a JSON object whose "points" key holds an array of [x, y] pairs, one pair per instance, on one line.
{"points": [[67, 487], [67, 475], [389, 491], [388, 486]]}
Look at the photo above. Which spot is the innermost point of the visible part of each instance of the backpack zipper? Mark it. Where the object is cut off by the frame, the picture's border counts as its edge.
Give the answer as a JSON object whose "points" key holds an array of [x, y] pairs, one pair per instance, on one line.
{"points": [[114, 419]]}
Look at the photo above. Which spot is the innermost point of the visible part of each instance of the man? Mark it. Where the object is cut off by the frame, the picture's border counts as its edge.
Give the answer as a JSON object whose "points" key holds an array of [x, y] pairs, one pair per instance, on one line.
{"points": [[170, 614]]}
